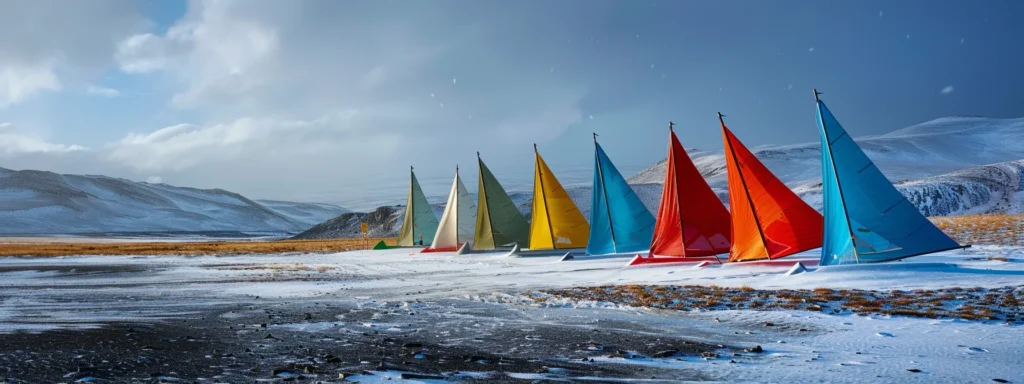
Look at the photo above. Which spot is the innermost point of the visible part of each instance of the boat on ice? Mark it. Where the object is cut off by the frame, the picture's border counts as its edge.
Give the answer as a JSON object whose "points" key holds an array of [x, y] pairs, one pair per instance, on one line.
{"points": [[419, 223], [619, 221], [556, 223], [692, 224], [867, 220], [499, 224], [456, 226], [769, 221]]}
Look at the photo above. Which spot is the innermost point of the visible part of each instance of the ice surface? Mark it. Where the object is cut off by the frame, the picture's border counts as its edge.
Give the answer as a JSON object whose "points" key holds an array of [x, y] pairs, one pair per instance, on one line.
{"points": [[89, 291]]}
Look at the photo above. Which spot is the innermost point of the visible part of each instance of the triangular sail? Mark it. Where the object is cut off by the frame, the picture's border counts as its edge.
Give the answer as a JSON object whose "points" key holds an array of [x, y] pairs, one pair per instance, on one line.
{"points": [[498, 221], [556, 221], [866, 218], [619, 221], [768, 219], [692, 221], [419, 218], [456, 226]]}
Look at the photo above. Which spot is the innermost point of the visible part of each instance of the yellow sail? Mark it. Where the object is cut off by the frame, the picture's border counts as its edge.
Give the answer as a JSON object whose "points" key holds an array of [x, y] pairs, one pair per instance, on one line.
{"points": [[556, 222]]}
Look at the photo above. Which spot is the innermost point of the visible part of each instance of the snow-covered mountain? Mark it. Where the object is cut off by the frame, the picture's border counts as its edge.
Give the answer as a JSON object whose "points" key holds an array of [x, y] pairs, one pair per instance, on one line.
{"points": [[37, 202], [948, 166], [928, 149], [309, 214]]}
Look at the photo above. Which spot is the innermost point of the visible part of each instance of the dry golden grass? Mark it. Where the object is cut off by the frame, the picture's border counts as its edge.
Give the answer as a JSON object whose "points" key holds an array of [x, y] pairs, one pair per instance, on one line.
{"points": [[963, 303], [999, 229], [188, 248]]}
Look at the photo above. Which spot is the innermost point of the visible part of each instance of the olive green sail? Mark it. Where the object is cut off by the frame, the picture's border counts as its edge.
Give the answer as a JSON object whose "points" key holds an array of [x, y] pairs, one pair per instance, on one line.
{"points": [[498, 221], [420, 222]]}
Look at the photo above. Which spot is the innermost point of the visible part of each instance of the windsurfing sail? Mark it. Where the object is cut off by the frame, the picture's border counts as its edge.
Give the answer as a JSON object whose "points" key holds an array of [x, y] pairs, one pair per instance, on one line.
{"points": [[866, 218], [556, 222], [456, 226], [619, 221], [769, 221], [498, 221], [692, 221], [419, 222]]}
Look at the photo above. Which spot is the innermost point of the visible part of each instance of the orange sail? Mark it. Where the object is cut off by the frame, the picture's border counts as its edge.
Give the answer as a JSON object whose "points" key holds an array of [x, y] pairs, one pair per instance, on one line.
{"points": [[769, 221], [692, 221]]}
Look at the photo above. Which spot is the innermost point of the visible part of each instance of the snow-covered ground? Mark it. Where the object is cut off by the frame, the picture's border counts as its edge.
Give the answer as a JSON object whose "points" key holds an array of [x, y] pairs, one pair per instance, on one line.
{"points": [[91, 291]]}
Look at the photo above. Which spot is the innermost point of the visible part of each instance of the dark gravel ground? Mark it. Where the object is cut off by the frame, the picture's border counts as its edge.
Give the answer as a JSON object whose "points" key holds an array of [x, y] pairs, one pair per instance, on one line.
{"points": [[278, 341]]}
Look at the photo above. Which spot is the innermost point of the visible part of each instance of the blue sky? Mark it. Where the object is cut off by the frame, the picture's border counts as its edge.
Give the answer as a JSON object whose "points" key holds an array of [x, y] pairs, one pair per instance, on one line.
{"points": [[331, 101]]}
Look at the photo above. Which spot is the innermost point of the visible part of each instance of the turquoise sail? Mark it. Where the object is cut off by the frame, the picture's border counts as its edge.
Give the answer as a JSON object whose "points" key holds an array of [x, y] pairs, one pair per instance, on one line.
{"points": [[619, 221], [867, 219]]}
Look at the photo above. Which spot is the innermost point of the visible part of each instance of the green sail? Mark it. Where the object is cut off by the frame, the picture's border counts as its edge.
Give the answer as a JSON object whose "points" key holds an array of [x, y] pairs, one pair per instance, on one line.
{"points": [[499, 222], [419, 217]]}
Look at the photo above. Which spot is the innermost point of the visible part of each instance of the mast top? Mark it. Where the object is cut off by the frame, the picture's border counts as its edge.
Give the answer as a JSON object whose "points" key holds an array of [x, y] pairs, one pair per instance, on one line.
{"points": [[478, 154], [720, 116], [595, 137], [816, 93], [535, 147]]}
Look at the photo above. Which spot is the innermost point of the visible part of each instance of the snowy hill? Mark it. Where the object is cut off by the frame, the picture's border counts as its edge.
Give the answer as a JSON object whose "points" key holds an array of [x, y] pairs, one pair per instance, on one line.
{"points": [[939, 165], [37, 202], [927, 149], [308, 214]]}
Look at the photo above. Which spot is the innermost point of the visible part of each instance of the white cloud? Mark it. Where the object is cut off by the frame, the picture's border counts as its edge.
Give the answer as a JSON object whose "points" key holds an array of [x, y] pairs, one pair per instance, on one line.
{"points": [[18, 82], [218, 49], [154, 180], [947, 90], [13, 142], [292, 91], [811, 49], [102, 91], [185, 146], [48, 44]]}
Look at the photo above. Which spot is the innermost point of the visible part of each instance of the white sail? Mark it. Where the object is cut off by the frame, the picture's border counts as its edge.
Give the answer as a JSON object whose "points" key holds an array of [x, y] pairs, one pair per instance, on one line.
{"points": [[456, 226]]}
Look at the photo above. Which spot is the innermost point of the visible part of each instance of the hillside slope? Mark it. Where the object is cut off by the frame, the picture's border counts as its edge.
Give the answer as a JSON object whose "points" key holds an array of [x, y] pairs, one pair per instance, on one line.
{"points": [[928, 149], [37, 202]]}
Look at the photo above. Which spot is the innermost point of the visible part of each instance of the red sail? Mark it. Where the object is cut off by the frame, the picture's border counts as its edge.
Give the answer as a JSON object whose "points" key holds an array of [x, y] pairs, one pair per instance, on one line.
{"points": [[692, 221], [768, 219]]}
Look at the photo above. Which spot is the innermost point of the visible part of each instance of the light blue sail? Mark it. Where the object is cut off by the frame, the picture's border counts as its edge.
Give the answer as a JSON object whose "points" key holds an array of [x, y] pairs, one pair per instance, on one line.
{"points": [[866, 218], [619, 221]]}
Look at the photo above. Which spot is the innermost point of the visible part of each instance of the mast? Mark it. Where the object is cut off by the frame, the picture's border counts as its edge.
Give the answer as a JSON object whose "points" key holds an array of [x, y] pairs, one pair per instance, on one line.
{"points": [[543, 196], [457, 245], [604, 191], [839, 186], [412, 203], [743, 181]]}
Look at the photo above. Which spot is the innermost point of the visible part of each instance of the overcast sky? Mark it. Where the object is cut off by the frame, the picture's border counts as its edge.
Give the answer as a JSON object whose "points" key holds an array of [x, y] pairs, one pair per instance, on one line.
{"points": [[331, 101]]}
